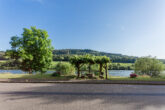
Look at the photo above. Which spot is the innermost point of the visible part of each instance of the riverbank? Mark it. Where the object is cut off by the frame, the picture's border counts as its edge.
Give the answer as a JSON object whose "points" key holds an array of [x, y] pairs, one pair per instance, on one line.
{"points": [[87, 81], [47, 78]]}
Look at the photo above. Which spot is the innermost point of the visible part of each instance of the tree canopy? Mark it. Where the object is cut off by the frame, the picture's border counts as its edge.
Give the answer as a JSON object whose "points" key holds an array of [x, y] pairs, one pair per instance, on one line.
{"points": [[103, 62], [34, 49], [79, 61], [148, 66]]}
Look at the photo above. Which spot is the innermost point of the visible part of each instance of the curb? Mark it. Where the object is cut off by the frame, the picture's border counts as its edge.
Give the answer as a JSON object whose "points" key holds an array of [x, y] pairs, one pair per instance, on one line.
{"points": [[83, 81]]}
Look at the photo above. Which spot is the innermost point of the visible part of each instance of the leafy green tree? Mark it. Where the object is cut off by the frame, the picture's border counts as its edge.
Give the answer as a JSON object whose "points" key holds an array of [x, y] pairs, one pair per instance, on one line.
{"points": [[103, 62], [148, 66], [34, 48], [13, 53], [98, 60], [106, 61], [78, 62], [90, 60], [15, 42]]}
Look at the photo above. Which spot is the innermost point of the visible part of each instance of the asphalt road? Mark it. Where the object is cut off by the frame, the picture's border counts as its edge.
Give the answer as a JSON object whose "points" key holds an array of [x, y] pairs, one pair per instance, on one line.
{"points": [[39, 96]]}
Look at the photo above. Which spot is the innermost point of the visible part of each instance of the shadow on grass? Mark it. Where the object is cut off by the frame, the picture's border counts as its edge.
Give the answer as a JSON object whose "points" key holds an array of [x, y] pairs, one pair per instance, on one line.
{"points": [[40, 78], [45, 77]]}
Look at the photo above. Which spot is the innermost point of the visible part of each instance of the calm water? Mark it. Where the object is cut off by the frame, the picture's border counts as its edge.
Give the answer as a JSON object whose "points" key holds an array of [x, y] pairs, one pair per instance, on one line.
{"points": [[124, 73], [17, 71], [111, 72]]}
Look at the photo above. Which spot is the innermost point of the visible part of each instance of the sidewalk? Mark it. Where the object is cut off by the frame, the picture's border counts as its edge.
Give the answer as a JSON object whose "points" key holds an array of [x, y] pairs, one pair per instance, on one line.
{"points": [[82, 81]]}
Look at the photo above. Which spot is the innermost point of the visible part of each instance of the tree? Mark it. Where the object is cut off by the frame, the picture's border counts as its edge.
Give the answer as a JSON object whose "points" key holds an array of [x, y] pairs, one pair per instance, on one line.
{"points": [[106, 60], [34, 48], [103, 62], [13, 53], [90, 60], [78, 62], [148, 66]]}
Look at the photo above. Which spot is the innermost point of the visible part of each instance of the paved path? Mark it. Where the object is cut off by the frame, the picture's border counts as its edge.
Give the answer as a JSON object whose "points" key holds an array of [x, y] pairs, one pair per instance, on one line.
{"points": [[44, 96]]}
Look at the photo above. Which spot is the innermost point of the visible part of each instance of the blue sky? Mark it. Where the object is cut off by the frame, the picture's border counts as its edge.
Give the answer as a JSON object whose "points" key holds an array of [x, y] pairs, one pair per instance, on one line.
{"points": [[130, 27]]}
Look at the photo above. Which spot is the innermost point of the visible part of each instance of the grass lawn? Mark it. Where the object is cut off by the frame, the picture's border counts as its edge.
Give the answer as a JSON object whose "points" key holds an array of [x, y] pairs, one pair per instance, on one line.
{"points": [[34, 76], [3, 61], [9, 75], [48, 76], [125, 64], [137, 79]]}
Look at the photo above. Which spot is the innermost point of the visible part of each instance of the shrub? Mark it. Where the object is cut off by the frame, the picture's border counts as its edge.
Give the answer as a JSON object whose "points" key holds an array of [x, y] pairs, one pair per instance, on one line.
{"points": [[133, 75], [82, 76], [56, 74], [65, 68], [84, 67], [89, 75], [148, 66]]}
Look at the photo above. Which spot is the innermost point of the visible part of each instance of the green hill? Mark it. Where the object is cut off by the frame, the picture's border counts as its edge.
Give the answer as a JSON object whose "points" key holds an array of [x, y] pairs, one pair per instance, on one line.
{"points": [[64, 54]]}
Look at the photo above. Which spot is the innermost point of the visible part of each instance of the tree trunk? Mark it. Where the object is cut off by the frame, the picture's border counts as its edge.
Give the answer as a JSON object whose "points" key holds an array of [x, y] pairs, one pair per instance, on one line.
{"points": [[78, 72], [89, 69], [100, 69], [106, 70], [30, 71]]}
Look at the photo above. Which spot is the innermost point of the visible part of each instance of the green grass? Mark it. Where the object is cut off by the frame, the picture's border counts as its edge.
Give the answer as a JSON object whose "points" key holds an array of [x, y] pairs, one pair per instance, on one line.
{"points": [[125, 64], [34, 76], [9, 75], [139, 78], [48, 76], [3, 61]]}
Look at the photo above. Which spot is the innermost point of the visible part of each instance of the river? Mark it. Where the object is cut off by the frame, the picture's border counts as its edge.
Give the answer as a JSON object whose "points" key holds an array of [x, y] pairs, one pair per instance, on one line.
{"points": [[123, 73]]}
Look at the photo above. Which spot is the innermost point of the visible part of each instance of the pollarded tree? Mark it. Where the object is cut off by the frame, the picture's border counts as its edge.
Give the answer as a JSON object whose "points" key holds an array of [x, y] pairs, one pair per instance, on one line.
{"points": [[90, 60], [99, 61], [35, 50], [106, 61], [78, 62], [103, 62]]}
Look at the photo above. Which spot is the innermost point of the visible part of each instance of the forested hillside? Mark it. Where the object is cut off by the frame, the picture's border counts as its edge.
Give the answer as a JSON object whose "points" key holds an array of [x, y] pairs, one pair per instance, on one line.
{"points": [[64, 54]]}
